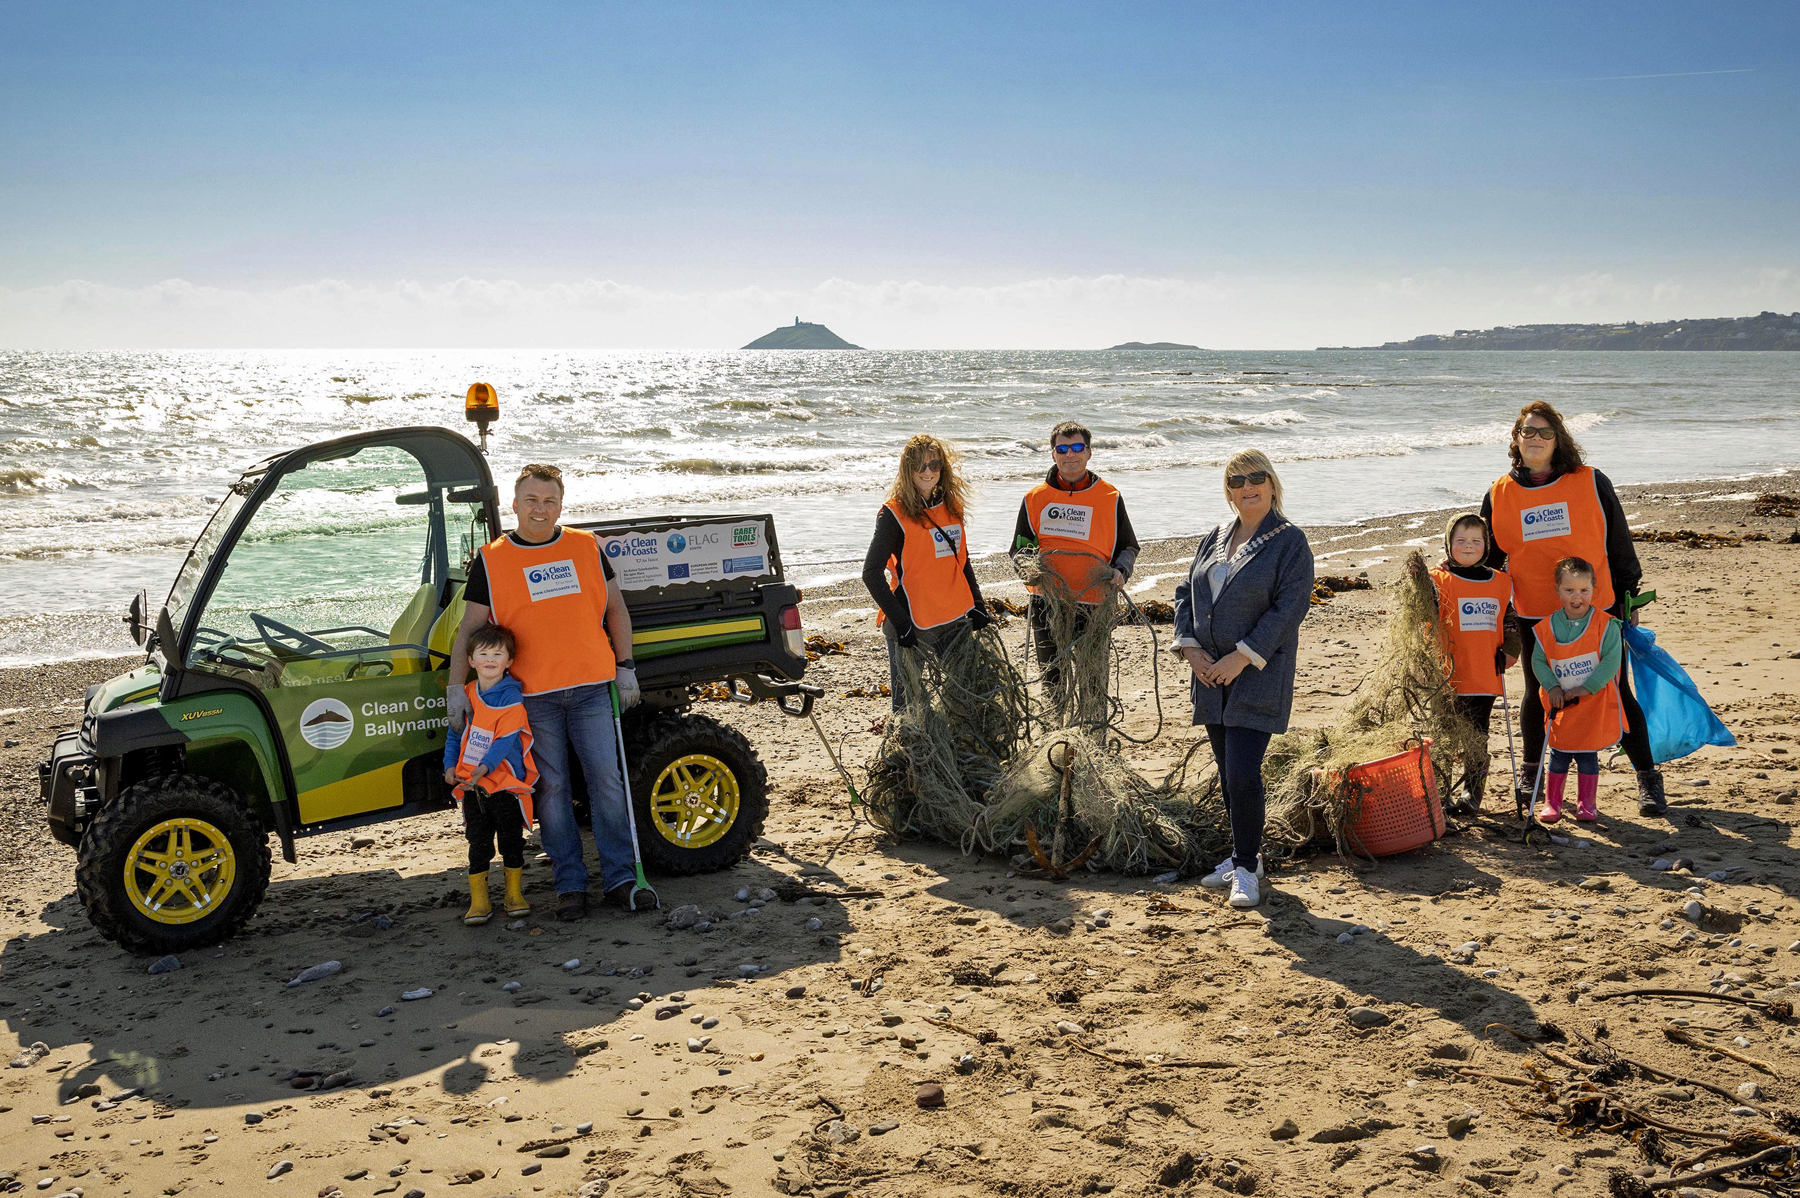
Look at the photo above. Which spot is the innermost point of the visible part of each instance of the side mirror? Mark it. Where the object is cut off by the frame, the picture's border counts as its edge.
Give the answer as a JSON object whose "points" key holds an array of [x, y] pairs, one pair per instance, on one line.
{"points": [[134, 618]]}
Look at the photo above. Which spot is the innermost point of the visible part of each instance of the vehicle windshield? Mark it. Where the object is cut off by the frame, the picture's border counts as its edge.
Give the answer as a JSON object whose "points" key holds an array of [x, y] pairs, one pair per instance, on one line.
{"points": [[207, 544]]}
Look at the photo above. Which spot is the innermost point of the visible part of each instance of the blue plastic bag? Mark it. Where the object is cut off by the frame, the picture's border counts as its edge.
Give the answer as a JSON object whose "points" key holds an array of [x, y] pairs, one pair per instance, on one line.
{"points": [[1676, 717]]}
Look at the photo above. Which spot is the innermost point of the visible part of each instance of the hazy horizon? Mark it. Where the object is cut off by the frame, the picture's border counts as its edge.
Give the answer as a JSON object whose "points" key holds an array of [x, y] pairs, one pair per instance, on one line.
{"points": [[692, 175]]}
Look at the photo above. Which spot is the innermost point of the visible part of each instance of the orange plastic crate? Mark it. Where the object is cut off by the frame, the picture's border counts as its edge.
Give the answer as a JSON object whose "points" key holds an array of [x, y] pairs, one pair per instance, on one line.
{"points": [[1400, 807]]}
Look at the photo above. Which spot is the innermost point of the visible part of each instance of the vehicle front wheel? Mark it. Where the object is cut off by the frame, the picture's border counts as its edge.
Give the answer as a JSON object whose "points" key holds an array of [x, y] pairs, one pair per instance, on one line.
{"points": [[699, 792], [176, 862]]}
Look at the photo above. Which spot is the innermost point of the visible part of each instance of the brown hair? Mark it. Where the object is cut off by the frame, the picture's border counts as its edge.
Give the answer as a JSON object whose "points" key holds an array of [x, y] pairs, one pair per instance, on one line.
{"points": [[950, 489], [494, 636], [541, 472], [1071, 428], [1565, 457], [1573, 565], [1456, 522]]}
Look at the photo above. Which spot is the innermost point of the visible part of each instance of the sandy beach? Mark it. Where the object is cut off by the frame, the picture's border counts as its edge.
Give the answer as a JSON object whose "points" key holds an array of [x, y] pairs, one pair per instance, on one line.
{"points": [[784, 1050]]}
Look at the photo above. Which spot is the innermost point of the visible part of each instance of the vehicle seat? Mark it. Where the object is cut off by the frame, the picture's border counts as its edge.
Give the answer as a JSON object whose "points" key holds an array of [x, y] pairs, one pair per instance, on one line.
{"points": [[412, 627], [443, 632]]}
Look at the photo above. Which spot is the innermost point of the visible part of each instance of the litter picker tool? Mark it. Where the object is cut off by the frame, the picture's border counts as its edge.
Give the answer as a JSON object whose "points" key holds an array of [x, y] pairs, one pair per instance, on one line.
{"points": [[640, 884], [1506, 708]]}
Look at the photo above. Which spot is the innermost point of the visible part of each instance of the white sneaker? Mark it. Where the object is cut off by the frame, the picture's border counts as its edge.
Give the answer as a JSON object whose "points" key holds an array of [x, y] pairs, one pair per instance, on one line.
{"points": [[1220, 877], [1244, 892]]}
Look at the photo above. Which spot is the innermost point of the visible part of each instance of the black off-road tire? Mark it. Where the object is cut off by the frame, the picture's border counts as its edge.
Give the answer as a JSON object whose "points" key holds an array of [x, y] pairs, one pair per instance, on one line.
{"points": [[651, 746], [100, 867]]}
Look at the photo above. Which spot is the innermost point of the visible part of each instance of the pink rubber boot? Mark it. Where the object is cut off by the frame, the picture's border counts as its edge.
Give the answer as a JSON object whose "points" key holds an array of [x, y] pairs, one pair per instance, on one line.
{"points": [[1587, 797], [1551, 811]]}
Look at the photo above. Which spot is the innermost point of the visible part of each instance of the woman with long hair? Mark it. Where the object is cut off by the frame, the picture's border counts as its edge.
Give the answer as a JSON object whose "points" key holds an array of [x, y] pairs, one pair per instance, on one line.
{"points": [[917, 568], [1237, 626], [1551, 505]]}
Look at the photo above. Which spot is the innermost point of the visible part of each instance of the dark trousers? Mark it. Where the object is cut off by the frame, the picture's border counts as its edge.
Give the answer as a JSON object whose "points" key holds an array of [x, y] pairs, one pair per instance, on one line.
{"points": [[1635, 742], [490, 818], [1043, 644], [936, 639], [1479, 711], [1239, 754]]}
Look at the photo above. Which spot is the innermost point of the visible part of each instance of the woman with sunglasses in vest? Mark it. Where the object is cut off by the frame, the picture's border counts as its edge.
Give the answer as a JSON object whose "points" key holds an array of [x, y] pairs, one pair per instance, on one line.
{"points": [[1237, 625], [917, 568], [1551, 506]]}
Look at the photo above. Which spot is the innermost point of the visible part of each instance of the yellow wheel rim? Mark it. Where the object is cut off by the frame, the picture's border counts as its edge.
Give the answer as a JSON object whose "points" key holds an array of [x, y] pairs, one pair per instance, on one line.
{"points": [[694, 801], [180, 870]]}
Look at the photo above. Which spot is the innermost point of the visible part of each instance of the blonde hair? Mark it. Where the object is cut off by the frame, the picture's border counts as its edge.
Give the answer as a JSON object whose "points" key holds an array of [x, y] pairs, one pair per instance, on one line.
{"points": [[1249, 461], [950, 489]]}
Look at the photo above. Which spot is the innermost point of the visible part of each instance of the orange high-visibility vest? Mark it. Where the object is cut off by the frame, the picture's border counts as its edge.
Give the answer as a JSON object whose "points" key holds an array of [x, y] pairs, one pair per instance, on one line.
{"points": [[1536, 527], [1597, 721], [1472, 620], [1076, 533], [928, 572], [485, 726], [553, 597]]}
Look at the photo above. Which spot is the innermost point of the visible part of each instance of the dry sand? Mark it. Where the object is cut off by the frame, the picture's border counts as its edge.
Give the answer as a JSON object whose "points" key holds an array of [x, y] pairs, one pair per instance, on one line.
{"points": [[180, 1083]]}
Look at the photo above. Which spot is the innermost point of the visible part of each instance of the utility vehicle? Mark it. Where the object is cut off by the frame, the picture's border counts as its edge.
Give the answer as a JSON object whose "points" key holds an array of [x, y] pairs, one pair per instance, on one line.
{"points": [[295, 677]]}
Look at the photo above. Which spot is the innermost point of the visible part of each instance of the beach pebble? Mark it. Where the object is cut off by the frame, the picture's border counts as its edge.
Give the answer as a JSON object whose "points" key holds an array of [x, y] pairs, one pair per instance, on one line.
{"points": [[31, 1056], [415, 995], [1666, 924], [748, 970], [929, 1095], [1458, 1125], [839, 1132], [1345, 938], [517, 925], [1674, 1093], [1694, 910], [512, 987], [709, 1023], [884, 1127], [1367, 1017], [743, 894], [364, 841], [1167, 879], [1490, 973], [1745, 1112], [1067, 1028], [280, 1167], [168, 964], [796, 991], [572, 963], [1287, 1129], [253, 1117], [694, 1045], [322, 970], [1661, 864], [634, 1004], [815, 924], [1749, 1091], [685, 916]]}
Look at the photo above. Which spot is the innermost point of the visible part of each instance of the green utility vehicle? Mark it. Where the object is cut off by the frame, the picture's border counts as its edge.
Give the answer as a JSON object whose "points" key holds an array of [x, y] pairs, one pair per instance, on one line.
{"points": [[295, 677]]}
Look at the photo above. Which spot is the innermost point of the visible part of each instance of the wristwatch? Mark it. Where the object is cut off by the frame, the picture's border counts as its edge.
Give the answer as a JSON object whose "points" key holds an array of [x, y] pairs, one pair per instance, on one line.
{"points": [[628, 664]]}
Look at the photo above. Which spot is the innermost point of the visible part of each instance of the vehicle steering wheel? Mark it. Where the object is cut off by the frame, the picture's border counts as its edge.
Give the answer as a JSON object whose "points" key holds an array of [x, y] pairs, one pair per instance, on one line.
{"points": [[287, 636]]}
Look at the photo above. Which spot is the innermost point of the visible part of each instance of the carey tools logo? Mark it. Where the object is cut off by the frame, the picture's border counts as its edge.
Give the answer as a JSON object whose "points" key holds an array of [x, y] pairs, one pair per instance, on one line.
{"points": [[326, 723]]}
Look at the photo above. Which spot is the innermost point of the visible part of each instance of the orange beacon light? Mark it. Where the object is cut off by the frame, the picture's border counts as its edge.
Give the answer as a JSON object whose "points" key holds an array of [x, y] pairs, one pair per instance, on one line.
{"points": [[482, 407]]}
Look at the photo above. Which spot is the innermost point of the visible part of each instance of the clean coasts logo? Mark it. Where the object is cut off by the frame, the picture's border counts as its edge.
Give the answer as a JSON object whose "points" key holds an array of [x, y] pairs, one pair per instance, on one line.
{"points": [[1549, 520], [945, 539], [326, 723], [1069, 520], [551, 579], [1478, 615], [1572, 672]]}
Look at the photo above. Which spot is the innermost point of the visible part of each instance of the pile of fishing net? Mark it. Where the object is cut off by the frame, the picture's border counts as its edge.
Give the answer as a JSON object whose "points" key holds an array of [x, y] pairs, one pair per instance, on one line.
{"points": [[973, 762]]}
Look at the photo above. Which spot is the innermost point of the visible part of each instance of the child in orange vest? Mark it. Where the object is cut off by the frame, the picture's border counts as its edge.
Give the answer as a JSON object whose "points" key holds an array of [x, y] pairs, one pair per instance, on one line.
{"points": [[491, 770], [1577, 664], [1480, 636]]}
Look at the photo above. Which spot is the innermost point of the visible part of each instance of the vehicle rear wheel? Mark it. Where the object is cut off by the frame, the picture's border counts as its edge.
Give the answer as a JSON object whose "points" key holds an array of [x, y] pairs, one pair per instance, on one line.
{"points": [[176, 862], [699, 792]]}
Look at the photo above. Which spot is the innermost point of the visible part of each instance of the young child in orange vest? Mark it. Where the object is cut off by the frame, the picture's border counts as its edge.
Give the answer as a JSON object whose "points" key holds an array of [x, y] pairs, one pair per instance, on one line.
{"points": [[491, 770], [1480, 636], [1577, 664]]}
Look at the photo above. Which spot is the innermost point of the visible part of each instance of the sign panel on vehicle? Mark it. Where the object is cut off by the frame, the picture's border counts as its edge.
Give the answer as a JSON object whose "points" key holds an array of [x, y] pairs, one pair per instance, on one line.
{"points": [[691, 553]]}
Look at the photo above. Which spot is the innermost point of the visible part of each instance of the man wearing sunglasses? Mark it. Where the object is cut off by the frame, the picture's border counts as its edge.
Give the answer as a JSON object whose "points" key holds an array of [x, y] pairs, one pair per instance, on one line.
{"points": [[1076, 522]]}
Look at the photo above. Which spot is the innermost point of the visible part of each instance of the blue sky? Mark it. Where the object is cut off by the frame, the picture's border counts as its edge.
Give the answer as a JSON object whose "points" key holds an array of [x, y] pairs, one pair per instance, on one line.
{"points": [[1256, 175]]}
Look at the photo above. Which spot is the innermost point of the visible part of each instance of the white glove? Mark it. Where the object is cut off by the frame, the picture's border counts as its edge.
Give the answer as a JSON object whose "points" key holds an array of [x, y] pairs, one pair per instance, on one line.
{"points": [[626, 682], [457, 707]]}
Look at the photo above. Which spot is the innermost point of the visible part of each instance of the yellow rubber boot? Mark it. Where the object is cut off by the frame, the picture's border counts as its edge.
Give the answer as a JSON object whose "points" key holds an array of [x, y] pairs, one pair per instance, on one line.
{"points": [[480, 909], [515, 892]]}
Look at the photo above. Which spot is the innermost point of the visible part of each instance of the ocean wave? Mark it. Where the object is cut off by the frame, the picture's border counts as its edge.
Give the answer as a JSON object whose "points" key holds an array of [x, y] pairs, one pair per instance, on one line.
{"points": [[1130, 441], [1274, 419], [727, 467]]}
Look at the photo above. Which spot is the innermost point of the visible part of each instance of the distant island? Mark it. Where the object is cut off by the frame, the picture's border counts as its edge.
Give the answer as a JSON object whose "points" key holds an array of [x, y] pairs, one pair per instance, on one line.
{"points": [[801, 335], [1153, 345], [1769, 330]]}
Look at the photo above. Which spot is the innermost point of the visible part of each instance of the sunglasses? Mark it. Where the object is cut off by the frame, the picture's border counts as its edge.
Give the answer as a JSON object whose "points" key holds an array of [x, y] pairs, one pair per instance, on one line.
{"points": [[931, 467], [1236, 481], [1542, 434], [1072, 447]]}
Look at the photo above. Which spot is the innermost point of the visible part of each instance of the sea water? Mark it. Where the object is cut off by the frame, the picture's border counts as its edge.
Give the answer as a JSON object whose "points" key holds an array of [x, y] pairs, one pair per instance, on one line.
{"points": [[110, 462]]}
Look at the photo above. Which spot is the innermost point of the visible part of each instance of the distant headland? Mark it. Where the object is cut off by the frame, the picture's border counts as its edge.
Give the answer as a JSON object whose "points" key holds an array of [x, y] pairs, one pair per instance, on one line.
{"points": [[801, 335], [1152, 345], [1769, 330]]}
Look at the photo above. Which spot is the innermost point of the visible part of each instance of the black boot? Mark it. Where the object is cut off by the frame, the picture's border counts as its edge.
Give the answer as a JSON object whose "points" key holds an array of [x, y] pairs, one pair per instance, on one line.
{"points": [[1525, 793], [1651, 800]]}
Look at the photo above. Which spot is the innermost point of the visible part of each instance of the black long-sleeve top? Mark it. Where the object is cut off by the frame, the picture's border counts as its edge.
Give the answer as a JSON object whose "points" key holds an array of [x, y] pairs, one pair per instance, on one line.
{"points": [[1125, 542], [1621, 554], [889, 539]]}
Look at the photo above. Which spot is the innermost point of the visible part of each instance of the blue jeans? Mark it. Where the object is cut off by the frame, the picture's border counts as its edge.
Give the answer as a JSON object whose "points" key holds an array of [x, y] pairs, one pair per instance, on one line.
{"points": [[1584, 762], [1239, 754], [580, 717]]}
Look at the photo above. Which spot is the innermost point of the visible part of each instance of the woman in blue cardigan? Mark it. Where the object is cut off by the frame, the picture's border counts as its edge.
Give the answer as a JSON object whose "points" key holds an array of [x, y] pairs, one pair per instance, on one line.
{"points": [[1237, 625]]}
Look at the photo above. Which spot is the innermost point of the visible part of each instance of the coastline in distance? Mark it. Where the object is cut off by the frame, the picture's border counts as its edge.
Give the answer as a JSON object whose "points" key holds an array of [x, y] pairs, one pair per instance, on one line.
{"points": [[1151, 345], [1767, 331], [801, 335]]}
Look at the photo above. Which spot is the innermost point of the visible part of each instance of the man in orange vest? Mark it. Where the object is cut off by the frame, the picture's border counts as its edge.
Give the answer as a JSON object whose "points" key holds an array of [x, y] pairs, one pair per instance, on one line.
{"points": [[1076, 522], [554, 588]]}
